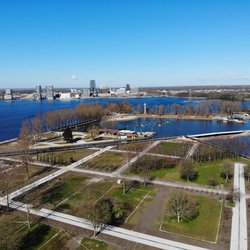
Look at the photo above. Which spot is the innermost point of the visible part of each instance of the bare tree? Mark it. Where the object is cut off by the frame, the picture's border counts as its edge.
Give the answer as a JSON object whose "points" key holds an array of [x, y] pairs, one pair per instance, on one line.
{"points": [[145, 172], [161, 110], [233, 195], [181, 207], [93, 133], [100, 214], [24, 143], [187, 169], [247, 172], [139, 108], [227, 170], [37, 126], [5, 184]]}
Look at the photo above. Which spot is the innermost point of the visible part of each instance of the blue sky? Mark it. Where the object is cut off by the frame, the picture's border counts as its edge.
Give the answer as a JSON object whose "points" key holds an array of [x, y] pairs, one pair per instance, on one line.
{"points": [[141, 42]]}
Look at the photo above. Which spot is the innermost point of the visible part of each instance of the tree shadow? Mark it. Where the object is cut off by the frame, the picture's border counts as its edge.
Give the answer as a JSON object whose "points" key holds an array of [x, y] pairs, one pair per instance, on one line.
{"points": [[34, 237]]}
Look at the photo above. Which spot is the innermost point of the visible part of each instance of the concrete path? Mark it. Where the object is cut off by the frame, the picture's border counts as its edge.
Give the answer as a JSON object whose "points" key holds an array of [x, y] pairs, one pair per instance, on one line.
{"points": [[125, 234], [56, 174], [128, 164], [184, 185], [35, 163], [239, 218], [133, 152], [192, 150]]}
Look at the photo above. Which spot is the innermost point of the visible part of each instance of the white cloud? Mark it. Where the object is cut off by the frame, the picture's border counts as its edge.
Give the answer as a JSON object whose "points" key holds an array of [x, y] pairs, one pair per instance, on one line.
{"points": [[74, 77]]}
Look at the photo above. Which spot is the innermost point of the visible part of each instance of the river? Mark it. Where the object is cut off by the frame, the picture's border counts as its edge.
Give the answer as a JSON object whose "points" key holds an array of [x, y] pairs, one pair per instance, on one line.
{"points": [[13, 113]]}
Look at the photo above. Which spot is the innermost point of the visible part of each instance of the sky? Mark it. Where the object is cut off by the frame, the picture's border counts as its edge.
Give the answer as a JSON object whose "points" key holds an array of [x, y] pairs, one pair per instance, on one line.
{"points": [[140, 42]]}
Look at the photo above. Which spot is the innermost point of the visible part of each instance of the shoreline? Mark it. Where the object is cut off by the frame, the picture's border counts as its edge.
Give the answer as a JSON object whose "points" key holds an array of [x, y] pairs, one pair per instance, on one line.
{"points": [[127, 117]]}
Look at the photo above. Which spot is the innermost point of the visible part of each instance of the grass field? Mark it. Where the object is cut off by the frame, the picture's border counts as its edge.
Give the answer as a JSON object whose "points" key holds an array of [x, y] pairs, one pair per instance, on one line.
{"points": [[135, 147], [15, 231], [17, 176], [206, 170], [54, 240], [93, 244], [64, 158], [71, 194], [172, 148], [131, 199], [203, 227], [107, 161]]}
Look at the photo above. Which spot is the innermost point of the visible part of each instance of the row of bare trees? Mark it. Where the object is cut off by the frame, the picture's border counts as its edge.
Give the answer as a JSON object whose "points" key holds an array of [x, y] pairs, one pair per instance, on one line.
{"points": [[203, 108], [205, 153], [58, 119]]}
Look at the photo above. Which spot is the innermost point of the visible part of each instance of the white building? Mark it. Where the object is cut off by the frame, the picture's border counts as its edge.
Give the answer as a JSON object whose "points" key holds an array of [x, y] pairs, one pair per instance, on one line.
{"points": [[65, 95], [120, 91], [134, 91], [38, 94], [49, 92], [8, 94]]}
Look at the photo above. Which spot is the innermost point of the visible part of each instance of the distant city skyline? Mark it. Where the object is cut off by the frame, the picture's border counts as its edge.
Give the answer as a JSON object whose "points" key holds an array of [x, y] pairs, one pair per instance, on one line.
{"points": [[141, 43]]}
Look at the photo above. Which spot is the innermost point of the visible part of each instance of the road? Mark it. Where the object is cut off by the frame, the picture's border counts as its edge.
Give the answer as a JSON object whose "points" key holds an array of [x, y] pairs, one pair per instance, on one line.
{"points": [[118, 232], [239, 218]]}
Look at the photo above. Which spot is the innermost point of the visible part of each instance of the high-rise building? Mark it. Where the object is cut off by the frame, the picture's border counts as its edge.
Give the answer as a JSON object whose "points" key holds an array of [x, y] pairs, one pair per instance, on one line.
{"points": [[8, 94], [127, 88], [92, 86], [38, 94], [49, 92]]}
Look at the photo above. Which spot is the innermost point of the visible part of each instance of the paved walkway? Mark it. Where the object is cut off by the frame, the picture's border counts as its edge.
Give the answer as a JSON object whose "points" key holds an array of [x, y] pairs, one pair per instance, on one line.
{"points": [[118, 232], [239, 218], [58, 173], [35, 163], [133, 152], [128, 164], [192, 150]]}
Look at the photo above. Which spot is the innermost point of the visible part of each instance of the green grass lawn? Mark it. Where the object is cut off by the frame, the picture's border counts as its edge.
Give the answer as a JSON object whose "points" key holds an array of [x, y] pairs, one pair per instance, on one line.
{"points": [[18, 178], [203, 227], [15, 229], [205, 171], [37, 236], [78, 203], [93, 244], [107, 161], [136, 147], [71, 194], [58, 242], [172, 148], [131, 199], [56, 190]]}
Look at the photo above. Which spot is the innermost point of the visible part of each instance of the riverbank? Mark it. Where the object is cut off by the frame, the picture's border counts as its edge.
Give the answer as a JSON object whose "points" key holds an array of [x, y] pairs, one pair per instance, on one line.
{"points": [[128, 117]]}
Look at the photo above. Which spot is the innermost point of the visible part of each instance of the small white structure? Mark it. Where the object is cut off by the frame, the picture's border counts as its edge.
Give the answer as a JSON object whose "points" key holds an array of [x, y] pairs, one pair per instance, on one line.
{"points": [[120, 91], [145, 108], [8, 94], [65, 95], [240, 116]]}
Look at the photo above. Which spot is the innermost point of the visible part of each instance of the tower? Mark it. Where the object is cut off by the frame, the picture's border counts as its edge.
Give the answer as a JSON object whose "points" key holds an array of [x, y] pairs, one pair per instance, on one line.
{"points": [[145, 108], [49, 92], [92, 86], [38, 94]]}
